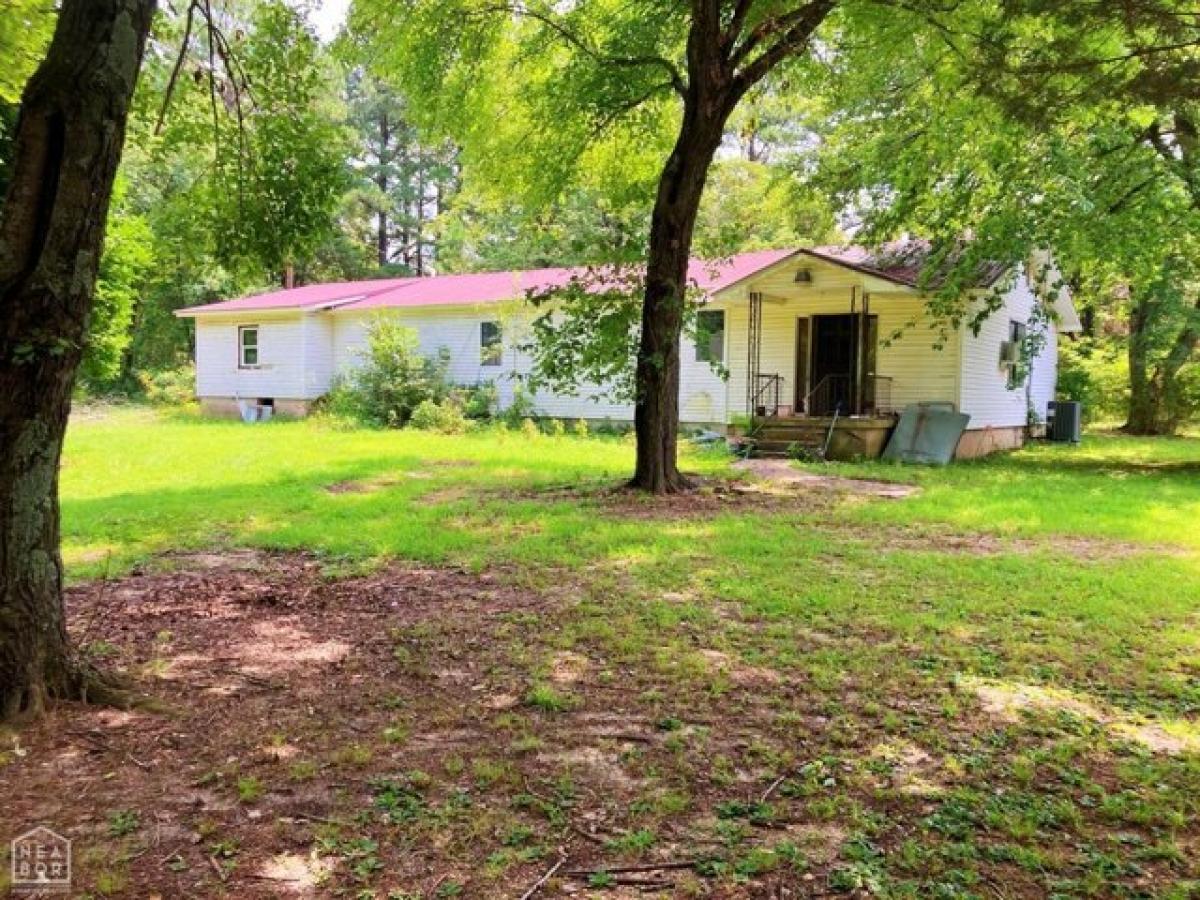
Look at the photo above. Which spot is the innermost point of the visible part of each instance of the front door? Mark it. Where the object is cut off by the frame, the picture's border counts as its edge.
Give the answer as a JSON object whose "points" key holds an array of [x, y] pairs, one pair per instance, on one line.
{"points": [[833, 343], [834, 355]]}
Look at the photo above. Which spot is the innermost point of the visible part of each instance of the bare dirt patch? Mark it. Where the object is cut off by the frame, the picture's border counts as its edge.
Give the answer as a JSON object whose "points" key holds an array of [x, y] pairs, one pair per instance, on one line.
{"points": [[706, 497], [782, 472], [364, 486], [313, 737], [1008, 700]]}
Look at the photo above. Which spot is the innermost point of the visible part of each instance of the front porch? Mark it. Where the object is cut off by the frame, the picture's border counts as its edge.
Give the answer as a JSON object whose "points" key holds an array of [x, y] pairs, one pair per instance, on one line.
{"points": [[831, 370], [822, 359], [838, 407]]}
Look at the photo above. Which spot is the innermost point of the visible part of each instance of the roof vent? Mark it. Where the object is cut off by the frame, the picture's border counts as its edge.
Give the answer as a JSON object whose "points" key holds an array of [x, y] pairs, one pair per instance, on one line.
{"points": [[803, 276]]}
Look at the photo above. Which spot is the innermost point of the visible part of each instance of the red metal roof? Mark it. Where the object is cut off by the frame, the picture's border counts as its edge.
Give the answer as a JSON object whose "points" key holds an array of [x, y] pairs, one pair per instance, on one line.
{"points": [[484, 287], [900, 262], [306, 297]]}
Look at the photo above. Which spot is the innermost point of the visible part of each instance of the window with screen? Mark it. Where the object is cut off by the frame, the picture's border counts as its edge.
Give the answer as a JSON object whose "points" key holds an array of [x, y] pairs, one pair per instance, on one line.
{"points": [[710, 336], [491, 344]]}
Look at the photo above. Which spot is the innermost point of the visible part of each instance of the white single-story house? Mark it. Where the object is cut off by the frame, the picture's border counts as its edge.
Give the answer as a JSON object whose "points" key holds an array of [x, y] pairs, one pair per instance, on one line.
{"points": [[802, 334]]}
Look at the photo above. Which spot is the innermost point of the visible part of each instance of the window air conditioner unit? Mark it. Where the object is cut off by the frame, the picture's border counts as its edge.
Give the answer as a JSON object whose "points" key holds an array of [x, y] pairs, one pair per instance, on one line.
{"points": [[1010, 353]]}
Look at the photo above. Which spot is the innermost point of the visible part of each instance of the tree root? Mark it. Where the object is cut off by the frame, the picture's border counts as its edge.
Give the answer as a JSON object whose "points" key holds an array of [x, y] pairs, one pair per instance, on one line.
{"points": [[104, 689], [677, 483], [82, 684]]}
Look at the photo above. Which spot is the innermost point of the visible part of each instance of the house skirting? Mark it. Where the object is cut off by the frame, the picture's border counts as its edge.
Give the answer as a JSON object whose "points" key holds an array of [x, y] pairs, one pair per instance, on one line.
{"points": [[227, 407], [984, 441]]}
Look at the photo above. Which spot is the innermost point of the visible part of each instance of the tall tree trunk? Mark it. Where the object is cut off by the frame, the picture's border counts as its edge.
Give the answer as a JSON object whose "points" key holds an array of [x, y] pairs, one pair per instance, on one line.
{"points": [[67, 145], [725, 59], [381, 181], [1140, 419], [676, 206], [1155, 405], [420, 214], [1181, 353]]}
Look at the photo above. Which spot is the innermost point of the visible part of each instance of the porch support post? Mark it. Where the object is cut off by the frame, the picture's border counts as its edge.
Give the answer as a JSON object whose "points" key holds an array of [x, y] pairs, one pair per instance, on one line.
{"points": [[860, 357], [852, 394], [753, 352], [865, 341]]}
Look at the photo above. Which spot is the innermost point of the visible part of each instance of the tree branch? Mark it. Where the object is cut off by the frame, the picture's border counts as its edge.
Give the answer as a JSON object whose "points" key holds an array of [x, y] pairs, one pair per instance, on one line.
{"points": [[796, 28], [677, 81], [187, 38]]}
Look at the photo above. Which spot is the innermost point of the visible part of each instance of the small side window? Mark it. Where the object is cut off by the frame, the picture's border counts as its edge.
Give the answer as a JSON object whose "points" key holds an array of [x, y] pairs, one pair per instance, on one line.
{"points": [[710, 335], [247, 346], [491, 344]]}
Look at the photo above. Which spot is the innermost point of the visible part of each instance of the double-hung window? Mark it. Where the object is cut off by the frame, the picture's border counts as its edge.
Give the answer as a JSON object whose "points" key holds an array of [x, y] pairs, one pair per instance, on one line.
{"points": [[491, 344], [248, 347]]}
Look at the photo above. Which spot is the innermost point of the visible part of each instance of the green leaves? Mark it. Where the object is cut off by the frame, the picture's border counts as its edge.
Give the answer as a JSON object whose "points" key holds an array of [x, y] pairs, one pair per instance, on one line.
{"points": [[25, 29]]}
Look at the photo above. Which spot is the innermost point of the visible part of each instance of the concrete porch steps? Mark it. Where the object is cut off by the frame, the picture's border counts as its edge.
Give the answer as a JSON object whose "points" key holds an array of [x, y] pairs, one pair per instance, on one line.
{"points": [[852, 436], [778, 437]]}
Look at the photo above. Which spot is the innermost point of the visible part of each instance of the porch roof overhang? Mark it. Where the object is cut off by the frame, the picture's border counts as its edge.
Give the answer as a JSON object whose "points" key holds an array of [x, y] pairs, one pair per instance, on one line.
{"points": [[872, 280]]}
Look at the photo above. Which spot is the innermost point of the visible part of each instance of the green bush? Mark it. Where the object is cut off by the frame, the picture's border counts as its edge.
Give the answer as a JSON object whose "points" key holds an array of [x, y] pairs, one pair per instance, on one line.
{"points": [[478, 401], [556, 427], [529, 428], [1097, 375], [446, 417], [520, 409], [580, 428], [393, 379], [169, 387]]}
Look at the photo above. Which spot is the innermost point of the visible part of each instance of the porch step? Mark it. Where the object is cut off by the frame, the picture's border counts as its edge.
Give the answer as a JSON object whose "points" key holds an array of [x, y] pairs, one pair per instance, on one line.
{"points": [[786, 448], [792, 432], [783, 436]]}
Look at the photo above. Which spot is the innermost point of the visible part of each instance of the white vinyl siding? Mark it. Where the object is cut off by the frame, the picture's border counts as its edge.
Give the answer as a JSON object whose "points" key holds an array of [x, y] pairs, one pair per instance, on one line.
{"points": [[457, 329], [318, 354], [986, 396], [281, 370]]}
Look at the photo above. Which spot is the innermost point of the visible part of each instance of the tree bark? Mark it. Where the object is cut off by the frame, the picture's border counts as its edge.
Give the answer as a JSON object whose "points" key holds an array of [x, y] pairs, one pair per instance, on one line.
{"points": [[656, 414], [722, 64], [67, 146], [710, 97], [1155, 406], [381, 181]]}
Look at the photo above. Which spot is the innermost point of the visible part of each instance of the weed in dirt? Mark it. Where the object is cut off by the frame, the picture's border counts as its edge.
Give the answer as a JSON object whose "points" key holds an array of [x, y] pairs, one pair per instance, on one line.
{"points": [[123, 821], [548, 699], [249, 789]]}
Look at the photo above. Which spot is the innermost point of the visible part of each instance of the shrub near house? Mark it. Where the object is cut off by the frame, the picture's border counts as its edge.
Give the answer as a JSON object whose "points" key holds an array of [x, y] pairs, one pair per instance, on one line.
{"points": [[396, 386]]}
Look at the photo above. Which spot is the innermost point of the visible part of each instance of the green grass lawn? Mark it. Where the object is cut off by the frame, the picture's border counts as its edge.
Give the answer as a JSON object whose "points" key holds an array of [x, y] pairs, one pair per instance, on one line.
{"points": [[1056, 584]]}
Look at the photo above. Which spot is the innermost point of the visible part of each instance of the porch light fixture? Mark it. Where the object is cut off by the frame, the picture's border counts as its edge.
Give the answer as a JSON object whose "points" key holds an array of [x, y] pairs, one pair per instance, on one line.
{"points": [[803, 276]]}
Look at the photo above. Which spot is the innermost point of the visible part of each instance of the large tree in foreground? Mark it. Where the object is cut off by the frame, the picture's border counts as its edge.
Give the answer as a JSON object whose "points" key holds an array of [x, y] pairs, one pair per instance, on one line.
{"points": [[67, 145], [585, 69]]}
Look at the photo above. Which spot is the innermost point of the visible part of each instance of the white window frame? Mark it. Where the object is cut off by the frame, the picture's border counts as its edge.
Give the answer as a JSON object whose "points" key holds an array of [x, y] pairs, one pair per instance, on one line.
{"points": [[242, 347], [485, 359]]}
